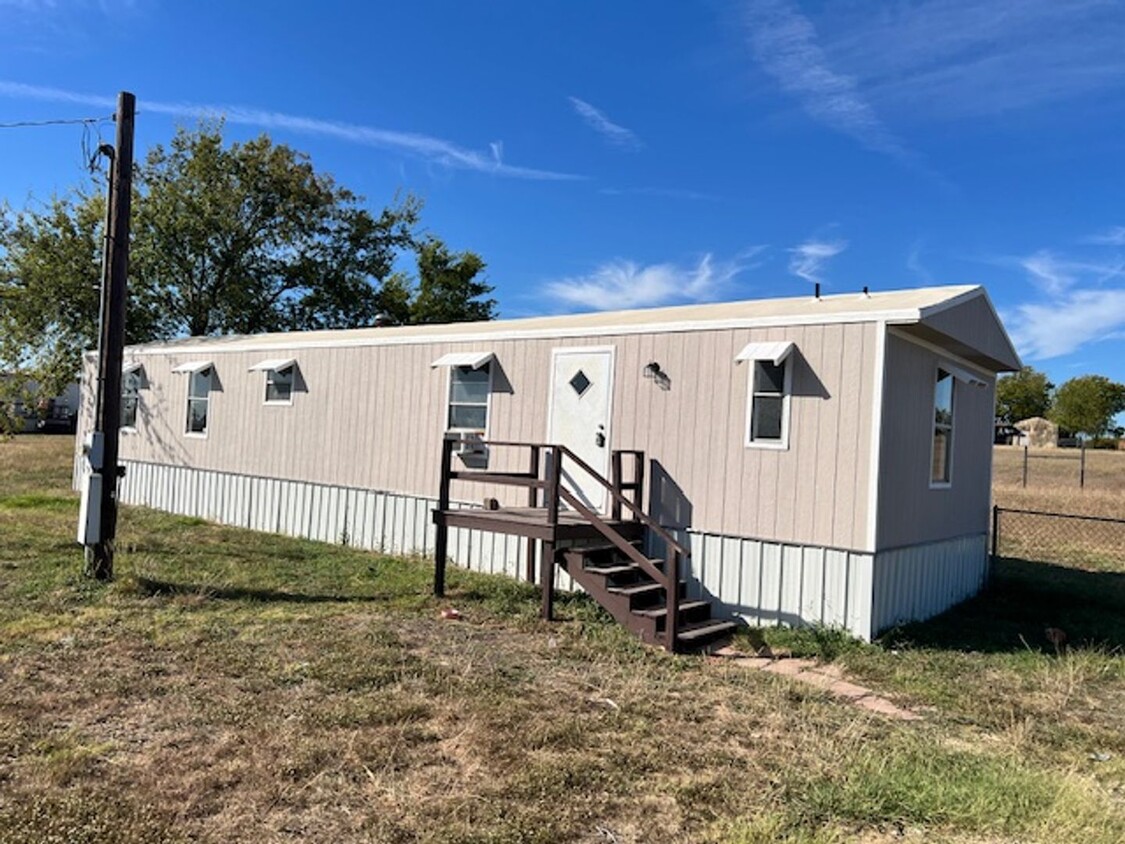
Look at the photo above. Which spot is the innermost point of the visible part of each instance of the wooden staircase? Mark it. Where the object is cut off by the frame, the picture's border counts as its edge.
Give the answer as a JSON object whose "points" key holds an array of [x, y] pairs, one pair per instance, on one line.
{"points": [[645, 595], [638, 602]]}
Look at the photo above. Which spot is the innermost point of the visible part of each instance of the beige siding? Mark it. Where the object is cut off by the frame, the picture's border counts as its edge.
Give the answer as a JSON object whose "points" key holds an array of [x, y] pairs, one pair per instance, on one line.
{"points": [[372, 418], [910, 510]]}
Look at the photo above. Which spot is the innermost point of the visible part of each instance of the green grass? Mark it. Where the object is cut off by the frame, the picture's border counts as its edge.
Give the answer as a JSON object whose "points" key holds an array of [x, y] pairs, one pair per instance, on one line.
{"points": [[234, 686]]}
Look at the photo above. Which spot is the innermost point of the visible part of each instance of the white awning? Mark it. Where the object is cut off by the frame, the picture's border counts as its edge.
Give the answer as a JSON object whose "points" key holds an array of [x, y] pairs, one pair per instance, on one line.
{"points": [[273, 363], [131, 366], [964, 375], [193, 366], [777, 352], [474, 360]]}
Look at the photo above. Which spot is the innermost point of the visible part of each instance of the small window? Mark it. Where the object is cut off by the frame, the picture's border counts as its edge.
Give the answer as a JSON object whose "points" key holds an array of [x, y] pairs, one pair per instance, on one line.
{"points": [[769, 404], [279, 385], [941, 463], [130, 398], [469, 389], [199, 397]]}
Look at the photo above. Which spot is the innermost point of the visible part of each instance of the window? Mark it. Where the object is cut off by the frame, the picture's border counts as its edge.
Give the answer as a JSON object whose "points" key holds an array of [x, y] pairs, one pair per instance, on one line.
{"points": [[469, 389], [199, 396], [281, 374], [769, 404], [130, 397], [279, 385], [942, 457]]}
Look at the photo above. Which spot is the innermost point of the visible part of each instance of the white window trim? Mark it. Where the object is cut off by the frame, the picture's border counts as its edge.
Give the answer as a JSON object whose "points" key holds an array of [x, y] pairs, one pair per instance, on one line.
{"points": [[787, 391], [491, 364], [206, 432], [940, 365], [266, 401]]}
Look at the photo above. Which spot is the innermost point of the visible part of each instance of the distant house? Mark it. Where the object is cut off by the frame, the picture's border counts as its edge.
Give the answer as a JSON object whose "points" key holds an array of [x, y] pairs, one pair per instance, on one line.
{"points": [[30, 410], [825, 460], [1007, 434], [1038, 432]]}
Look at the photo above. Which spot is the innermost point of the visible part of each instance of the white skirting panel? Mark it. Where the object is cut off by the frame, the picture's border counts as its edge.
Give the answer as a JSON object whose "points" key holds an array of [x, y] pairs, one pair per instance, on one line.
{"points": [[770, 583], [362, 518], [916, 583]]}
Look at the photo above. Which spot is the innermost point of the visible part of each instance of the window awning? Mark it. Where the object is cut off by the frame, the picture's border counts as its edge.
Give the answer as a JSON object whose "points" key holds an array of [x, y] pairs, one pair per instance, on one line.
{"points": [[273, 363], [131, 366], [777, 351], [193, 366], [964, 375], [473, 360]]}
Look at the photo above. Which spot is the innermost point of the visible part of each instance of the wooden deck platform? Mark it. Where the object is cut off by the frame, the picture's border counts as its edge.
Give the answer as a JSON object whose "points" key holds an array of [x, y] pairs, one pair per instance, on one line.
{"points": [[533, 523]]}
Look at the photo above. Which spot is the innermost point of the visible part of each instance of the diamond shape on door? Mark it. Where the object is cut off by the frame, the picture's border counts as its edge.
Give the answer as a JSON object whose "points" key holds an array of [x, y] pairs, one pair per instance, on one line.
{"points": [[580, 382]]}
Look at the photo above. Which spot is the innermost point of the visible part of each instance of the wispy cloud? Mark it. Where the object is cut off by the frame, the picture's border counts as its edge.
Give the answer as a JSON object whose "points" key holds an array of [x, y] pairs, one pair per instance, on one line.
{"points": [[936, 59], [596, 119], [428, 148], [807, 260], [785, 43], [1080, 302], [915, 265], [664, 193], [626, 284], [1113, 236]]}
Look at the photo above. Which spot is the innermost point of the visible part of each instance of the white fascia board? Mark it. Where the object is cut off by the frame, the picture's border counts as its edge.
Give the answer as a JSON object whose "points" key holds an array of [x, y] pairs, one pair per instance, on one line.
{"points": [[473, 360], [193, 366], [964, 375], [902, 316], [272, 363], [131, 366], [776, 351]]}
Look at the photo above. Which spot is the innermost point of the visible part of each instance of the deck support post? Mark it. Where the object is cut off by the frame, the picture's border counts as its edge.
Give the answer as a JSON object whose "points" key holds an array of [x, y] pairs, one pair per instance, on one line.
{"points": [[532, 501], [547, 564], [441, 541], [672, 599], [548, 577]]}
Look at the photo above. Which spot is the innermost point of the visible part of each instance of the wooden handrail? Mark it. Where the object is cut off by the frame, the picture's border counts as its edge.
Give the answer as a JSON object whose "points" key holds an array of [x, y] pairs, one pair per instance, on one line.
{"points": [[616, 538]]}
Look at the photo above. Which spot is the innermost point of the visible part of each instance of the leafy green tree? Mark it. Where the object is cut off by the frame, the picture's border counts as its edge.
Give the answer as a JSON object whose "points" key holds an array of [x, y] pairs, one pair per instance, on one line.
{"points": [[238, 238], [1022, 395], [448, 287], [1087, 404]]}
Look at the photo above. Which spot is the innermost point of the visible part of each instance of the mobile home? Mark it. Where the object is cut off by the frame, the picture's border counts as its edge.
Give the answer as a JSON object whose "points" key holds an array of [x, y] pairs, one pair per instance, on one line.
{"points": [[822, 460]]}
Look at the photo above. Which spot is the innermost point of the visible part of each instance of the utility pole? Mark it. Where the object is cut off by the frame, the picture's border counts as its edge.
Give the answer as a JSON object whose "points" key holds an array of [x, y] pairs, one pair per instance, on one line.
{"points": [[98, 523]]}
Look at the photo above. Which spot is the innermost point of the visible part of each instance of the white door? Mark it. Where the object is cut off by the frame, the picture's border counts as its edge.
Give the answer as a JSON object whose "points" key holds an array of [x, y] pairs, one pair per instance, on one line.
{"points": [[581, 393]]}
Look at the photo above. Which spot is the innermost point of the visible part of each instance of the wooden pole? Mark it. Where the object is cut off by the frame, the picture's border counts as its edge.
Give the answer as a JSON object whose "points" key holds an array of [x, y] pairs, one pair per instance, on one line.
{"points": [[1082, 467], [108, 412], [532, 501], [547, 563], [1025, 467]]}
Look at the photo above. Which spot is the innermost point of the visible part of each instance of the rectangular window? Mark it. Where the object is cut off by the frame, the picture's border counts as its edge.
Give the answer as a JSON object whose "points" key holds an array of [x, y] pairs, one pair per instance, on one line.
{"points": [[130, 397], [769, 404], [199, 396], [469, 389], [279, 385], [941, 463]]}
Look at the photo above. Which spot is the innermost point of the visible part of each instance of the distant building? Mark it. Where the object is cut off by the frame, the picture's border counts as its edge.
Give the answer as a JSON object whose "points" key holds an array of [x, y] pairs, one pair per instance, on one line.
{"points": [[1039, 432]]}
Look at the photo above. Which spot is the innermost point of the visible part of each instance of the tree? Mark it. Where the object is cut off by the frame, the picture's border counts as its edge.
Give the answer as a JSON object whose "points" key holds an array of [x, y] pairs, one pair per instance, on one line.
{"points": [[448, 289], [1087, 404], [1022, 395], [239, 238]]}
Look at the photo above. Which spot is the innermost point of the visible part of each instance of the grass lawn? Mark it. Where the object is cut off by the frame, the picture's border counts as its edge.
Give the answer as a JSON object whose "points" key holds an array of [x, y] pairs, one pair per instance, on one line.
{"points": [[232, 686]]}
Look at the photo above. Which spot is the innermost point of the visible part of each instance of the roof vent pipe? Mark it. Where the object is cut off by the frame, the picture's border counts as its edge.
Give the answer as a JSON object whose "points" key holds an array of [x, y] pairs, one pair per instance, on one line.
{"points": [[816, 290], [865, 293]]}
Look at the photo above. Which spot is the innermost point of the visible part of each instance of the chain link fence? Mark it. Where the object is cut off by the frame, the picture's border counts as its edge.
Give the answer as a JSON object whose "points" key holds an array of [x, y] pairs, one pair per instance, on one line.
{"points": [[1093, 542]]}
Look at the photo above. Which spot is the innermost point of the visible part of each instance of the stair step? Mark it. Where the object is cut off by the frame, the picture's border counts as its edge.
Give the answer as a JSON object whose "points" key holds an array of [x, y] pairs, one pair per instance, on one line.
{"points": [[660, 612], [705, 630], [640, 588], [610, 571], [600, 549]]}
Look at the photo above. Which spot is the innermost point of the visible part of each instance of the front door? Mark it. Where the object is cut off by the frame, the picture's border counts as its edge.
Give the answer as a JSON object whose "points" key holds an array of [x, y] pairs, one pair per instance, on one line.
{"points": [[581, 394]]}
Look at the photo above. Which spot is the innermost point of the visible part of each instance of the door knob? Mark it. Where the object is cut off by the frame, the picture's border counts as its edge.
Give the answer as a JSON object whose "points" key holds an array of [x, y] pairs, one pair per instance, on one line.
{"points": [[599, 437]]}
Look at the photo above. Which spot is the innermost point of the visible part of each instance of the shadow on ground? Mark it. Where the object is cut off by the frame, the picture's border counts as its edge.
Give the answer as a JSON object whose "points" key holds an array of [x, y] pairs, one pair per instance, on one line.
{"points": [[150, 586], [1023, 600]]}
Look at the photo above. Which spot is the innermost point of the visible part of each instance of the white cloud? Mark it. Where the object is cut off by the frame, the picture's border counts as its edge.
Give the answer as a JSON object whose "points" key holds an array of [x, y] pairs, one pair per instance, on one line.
{"points": [[915, 265], [596, 119], [963, 58], [1048, 272], [626, 284], [807, 260], [1113, 236], [1062, 325], [433, 150], [785, 43], [664, 193]]}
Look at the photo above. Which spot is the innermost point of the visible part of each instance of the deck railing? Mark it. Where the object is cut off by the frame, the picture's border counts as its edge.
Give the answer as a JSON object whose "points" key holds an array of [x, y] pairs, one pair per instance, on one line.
{"points": [[545, 474]]}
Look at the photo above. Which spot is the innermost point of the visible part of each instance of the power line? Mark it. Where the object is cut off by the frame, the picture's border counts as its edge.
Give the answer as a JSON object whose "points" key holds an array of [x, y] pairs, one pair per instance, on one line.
{"points": [[87, 121]]}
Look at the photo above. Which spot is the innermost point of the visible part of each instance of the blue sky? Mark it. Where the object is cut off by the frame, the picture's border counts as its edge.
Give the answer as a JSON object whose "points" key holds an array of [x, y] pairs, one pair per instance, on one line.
{"points": [[605, 155]]}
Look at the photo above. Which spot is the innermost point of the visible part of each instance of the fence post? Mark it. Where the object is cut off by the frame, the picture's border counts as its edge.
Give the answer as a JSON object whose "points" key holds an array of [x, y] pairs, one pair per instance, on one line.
{"points": [[1082, 467], [995, 530], [1025, 467], [441, 543]]}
